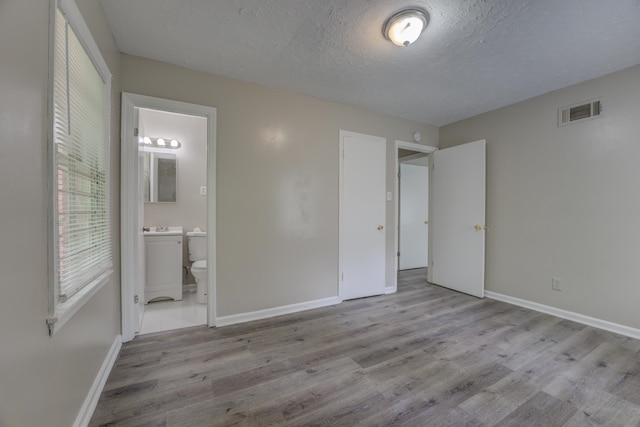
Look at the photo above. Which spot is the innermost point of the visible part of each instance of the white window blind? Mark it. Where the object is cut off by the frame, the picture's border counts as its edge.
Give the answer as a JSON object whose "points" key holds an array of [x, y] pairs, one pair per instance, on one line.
{"points": [[81, 223]]}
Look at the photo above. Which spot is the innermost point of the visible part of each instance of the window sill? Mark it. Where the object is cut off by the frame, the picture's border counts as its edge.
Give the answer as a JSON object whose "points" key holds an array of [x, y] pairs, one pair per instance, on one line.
{"points": [[65, 310]]}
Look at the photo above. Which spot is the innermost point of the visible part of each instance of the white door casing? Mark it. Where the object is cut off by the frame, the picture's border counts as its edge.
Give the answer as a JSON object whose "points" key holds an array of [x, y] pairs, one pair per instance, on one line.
{"points": [[457, 220], [414, 212], [362, 215]]}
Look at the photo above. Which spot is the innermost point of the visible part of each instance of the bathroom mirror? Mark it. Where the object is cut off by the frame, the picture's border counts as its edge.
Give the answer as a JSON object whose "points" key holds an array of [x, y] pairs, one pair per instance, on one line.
{"points": [[160, 175]]}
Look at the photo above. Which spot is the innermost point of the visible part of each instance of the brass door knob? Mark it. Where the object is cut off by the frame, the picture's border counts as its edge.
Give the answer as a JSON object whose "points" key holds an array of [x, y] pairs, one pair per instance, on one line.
{"points": [[380, 227], [479, 227], [426, 221]]}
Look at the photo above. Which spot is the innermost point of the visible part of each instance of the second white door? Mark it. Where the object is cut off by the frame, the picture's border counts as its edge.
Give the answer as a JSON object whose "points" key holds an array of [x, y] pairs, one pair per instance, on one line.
{"points": [[362, 215], [414, 211]]}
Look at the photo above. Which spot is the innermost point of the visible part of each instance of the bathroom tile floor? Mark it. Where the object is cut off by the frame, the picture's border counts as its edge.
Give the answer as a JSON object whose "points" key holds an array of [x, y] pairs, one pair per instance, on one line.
{"points": [[167, 315]]}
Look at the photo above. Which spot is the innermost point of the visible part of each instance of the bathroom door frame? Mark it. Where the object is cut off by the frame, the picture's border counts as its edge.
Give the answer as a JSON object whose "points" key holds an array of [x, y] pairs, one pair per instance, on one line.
{"points": [[129, 227], [421, 149]]}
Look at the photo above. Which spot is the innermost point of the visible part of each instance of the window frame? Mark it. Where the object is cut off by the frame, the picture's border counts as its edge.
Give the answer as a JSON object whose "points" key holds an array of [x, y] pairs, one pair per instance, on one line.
{"points": [[60, 312]]}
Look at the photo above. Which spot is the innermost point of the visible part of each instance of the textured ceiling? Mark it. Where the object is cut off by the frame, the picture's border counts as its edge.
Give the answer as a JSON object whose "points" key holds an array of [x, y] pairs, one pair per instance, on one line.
{"points": [[474, 56]]}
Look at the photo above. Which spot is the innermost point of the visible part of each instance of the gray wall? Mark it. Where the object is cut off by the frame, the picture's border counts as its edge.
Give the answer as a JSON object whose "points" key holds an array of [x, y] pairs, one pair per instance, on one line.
{"points": [[564, 201], [44, 380], [276, 151]]}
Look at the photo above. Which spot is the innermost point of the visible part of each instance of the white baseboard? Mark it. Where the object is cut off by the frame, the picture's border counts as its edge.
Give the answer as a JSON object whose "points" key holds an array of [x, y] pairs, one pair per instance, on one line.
{"points": [[391, 290], [276, 311], [570, 315], [91, 401]]}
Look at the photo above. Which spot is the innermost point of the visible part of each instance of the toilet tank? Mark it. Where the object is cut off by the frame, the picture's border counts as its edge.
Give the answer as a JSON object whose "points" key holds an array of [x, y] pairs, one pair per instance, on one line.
{"points": [[197, 244]]}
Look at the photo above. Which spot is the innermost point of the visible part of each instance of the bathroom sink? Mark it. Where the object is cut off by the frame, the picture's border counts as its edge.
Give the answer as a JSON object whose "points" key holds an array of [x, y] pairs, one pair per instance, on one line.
{"points": [[164, 231]]}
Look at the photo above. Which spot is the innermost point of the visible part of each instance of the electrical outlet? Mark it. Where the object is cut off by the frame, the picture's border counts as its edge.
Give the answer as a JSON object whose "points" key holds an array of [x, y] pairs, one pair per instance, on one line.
{"points": [[556, 284]]}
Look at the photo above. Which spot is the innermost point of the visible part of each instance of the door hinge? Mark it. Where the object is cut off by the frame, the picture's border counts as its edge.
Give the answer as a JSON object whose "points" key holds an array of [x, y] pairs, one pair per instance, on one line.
{"points": [[136, 299], [342, 277], [398, 254], [135, 131]]}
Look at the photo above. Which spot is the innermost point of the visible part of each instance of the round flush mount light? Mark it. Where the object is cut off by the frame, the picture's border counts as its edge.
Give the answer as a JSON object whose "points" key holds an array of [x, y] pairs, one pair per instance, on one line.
{"points": [[405, 27]]}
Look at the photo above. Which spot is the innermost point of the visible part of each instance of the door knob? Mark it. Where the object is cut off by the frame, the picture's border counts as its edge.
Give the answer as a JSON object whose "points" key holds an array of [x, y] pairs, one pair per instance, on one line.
{"points": [[479, 227], [426, 221], [380, 227]]}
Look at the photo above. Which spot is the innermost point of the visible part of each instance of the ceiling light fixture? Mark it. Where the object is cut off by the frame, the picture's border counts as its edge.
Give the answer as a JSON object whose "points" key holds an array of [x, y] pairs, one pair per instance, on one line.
{"points": [[405, 27]]}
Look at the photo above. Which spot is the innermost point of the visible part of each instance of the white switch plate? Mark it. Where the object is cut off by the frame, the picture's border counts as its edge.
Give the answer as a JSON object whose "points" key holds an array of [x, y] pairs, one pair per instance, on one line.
{"points": [[389, 197], [556, 284], [203, 191]]}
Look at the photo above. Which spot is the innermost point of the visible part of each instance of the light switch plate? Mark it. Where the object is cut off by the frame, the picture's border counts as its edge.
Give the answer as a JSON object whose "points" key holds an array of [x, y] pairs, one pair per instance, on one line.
{"points": [[389, 196], [203, 191]]}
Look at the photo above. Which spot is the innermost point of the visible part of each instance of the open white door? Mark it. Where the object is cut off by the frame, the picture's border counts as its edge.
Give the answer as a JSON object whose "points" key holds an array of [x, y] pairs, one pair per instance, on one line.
{"points": [[362, 215], [141, 271], [457, 221]]}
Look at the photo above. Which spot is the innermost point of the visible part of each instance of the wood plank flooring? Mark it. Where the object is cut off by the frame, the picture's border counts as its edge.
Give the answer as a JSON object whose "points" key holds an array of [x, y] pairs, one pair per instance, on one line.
{"points": [[425, 356]]}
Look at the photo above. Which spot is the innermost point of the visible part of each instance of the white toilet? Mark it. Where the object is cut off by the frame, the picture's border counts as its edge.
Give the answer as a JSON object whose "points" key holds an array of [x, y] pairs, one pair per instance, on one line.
{"points": [[197, 243]]}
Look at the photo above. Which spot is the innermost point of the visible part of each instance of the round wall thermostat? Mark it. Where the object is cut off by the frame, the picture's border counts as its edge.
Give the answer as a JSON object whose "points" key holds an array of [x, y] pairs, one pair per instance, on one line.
{"points": [[417, 137]]}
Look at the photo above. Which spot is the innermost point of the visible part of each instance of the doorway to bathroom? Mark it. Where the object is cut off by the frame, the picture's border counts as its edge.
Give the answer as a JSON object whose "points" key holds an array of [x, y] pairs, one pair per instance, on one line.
{"points": [[173, 177], [168, 200]]}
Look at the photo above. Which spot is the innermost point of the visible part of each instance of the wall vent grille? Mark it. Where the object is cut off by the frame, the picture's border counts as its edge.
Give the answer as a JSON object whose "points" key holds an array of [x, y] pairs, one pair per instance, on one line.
{"points": [[579, 112]]}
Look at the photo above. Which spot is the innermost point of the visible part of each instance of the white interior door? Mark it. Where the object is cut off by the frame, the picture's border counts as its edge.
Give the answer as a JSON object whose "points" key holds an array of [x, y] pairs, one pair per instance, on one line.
{"points": [[141, 278], [457, 221], [414, 211], [362, 215]]}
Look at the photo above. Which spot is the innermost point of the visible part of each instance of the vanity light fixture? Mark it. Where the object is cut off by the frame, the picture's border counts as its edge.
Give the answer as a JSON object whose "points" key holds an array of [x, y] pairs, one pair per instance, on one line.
{"points": [[161, 143], [405, 27]]}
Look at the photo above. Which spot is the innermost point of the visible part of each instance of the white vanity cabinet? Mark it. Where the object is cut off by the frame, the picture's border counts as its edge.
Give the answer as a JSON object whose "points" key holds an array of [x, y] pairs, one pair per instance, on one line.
{"points": [[163, 265]]}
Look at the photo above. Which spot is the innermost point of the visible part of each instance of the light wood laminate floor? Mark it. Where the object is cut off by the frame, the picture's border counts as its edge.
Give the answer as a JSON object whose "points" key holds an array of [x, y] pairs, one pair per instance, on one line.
{"points": [[425, 356]]}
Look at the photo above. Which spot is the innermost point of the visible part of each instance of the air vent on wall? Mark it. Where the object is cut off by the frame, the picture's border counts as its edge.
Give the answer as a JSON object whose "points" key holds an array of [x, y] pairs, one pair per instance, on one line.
{"points": [[574, 113]]}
